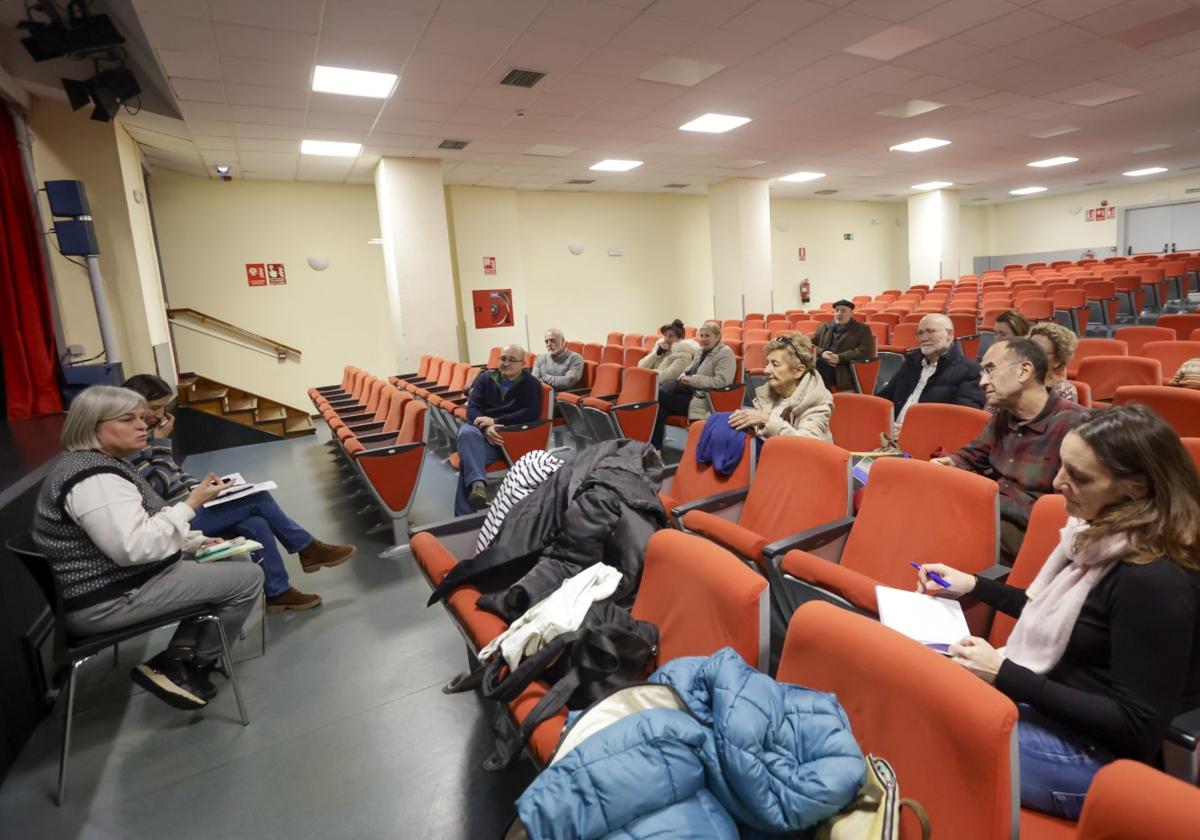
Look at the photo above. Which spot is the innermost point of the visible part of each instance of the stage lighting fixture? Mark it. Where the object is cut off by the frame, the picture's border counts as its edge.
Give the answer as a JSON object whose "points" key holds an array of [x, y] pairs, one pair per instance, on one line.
{"points": [[108, 90], [79, 34]]}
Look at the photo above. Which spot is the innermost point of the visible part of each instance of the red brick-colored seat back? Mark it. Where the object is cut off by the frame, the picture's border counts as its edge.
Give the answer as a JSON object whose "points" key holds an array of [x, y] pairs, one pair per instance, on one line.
{"points": [[858, 420], [1048, 517], [932, 426], [1129, 800], [1179, 407]]}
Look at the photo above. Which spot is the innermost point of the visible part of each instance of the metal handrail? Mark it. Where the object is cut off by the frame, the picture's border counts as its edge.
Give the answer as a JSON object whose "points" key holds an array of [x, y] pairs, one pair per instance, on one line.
{"points": [[277, 346]]}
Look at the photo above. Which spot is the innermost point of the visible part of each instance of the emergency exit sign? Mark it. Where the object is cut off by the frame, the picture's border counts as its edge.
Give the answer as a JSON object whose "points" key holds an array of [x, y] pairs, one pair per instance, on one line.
{"points": [[847, 236]]}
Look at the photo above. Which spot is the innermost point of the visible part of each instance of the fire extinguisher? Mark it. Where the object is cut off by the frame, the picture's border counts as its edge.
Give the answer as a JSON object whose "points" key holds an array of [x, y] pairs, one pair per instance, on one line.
{"points": [[805, 291]]}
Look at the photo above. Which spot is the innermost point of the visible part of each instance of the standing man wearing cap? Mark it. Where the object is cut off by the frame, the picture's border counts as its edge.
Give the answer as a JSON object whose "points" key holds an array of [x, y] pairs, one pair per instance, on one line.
{"points": [[840, 342]]}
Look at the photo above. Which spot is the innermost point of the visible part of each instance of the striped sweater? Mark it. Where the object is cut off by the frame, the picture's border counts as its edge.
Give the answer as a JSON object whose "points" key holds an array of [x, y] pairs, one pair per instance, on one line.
{"points": [[156, 463]]}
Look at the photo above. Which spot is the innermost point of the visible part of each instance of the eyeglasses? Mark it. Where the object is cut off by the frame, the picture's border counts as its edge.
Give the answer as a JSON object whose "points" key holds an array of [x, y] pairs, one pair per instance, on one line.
{"points": [[989, 370], [511, 359]]}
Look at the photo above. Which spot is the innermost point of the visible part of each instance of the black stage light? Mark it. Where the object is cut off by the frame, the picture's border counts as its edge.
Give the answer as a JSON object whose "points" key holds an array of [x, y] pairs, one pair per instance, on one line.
{"points": [[45, 40], [80, 33], [108, 90]]}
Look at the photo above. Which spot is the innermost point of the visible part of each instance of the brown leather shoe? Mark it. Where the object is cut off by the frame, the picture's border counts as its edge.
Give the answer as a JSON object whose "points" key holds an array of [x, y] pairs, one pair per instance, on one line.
{"points": [[293, 599], [322, 555]]}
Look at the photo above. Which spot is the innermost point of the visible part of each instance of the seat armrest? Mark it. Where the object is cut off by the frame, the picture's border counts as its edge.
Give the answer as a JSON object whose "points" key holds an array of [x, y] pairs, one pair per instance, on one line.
{"points": [[389, 451], [811, 538], [1184, 730], [438, 389], [669, 471], [452, 395], [634, 406], [605, 397], [364, 427], [579, 392], [709, 504], [409, 375], [351, 419], [451, 527], [998, 573], [325, 389]]}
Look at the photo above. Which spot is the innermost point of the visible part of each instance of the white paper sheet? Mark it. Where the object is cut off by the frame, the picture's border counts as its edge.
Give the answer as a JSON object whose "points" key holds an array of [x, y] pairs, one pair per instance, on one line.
{"points": [[937, 622]]}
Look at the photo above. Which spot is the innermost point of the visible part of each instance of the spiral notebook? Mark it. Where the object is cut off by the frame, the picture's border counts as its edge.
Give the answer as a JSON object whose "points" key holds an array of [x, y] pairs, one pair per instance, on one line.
{"points": [[934, 622]]}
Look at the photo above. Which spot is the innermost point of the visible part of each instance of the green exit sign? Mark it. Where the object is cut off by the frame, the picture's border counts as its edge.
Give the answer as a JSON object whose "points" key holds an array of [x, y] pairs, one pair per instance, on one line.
{"points": [[847, 236]]}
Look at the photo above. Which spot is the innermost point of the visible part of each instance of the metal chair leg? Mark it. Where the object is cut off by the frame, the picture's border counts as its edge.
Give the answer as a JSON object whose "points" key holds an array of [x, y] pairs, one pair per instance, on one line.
{"points": [[237, 692], [66, 740]]}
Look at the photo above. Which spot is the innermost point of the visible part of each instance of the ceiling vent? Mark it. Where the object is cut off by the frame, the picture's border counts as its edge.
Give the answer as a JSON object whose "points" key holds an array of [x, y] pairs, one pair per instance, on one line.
{"points": [[1189, 168], [453, 144], [582, 181], [675, 186], [825, 192], [1094, 183], [517, 77]]}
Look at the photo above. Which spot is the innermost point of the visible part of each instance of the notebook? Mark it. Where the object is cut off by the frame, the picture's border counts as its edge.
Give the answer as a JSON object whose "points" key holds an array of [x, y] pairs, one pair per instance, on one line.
{"points": [[228, 548], [934, 622]]}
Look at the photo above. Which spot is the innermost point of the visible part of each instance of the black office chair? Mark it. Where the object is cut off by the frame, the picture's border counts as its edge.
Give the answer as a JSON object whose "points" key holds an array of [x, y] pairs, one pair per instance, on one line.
{"points": [[72, 651]]}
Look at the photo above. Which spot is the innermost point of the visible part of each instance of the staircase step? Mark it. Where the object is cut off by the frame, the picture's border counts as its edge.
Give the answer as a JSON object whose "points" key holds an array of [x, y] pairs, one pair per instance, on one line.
{"points": [[267, 414], [295, 426], [245, 403], [207, 393]]}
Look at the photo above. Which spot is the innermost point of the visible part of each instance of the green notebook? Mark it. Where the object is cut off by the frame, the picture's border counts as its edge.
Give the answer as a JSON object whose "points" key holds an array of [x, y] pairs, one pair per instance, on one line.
{"points": [[228, 548]]}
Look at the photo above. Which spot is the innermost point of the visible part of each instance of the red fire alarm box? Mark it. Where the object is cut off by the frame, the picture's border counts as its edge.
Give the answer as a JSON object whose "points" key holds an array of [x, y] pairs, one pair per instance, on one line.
{"points": [[256, 274]]}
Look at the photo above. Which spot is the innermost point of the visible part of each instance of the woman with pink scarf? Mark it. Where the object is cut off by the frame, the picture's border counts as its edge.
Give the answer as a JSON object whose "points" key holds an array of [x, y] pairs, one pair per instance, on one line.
{"points": [[1106, 649]]}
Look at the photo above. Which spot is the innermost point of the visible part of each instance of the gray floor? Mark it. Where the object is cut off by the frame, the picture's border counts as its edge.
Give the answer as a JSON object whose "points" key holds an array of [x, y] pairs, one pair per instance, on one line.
{"points": [[350, 735]]}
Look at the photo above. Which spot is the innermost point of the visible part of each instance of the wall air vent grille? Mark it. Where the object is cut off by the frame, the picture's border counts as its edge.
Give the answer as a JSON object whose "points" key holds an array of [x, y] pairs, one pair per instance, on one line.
{"points": [[517, 77]]}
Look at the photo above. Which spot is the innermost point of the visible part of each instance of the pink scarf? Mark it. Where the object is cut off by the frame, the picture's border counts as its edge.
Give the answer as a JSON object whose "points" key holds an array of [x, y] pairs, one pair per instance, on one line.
{"points": [[1056, 596]]}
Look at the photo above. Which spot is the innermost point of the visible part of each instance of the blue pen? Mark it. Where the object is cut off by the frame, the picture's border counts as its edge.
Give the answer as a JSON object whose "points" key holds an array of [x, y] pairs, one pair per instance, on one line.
{"points": [[934, 576]]}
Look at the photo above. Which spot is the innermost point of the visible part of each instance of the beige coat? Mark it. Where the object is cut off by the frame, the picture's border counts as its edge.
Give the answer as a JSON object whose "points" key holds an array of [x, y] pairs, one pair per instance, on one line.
{"points": [[716, 371], [669, 365], [805, 412]]}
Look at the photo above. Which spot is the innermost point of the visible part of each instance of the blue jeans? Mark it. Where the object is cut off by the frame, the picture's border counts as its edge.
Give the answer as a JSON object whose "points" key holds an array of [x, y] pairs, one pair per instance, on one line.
{"points": [[475, 453], [1056, 766], [258, 517]]}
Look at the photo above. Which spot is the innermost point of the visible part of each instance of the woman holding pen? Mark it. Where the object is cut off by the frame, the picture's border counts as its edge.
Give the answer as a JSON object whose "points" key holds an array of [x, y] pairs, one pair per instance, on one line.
{"points": [[1106, 649]]}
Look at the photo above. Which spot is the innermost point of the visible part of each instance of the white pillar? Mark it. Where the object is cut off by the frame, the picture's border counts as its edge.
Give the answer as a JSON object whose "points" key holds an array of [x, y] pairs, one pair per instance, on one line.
{"points": [[739, 217], [416, 256], [932, 236]]}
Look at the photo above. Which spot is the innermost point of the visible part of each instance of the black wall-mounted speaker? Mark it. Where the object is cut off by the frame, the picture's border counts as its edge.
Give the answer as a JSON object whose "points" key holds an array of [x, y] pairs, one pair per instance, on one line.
{"points": [[67, 198]]}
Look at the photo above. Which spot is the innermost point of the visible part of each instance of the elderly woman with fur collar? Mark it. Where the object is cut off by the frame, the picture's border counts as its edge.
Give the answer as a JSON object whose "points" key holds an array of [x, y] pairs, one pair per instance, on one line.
{"points": [[794, 400]]}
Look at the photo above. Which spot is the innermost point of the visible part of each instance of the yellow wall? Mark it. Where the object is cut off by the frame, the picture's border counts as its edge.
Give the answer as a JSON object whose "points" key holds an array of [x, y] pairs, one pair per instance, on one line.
{"points": [[69, 146], [874, 260], [208, 230], [664, 271], [1047, 224]]}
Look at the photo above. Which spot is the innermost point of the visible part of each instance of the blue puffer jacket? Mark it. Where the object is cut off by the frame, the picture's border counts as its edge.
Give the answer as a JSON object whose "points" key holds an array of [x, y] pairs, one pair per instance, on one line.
{"points": [[753, 754]]}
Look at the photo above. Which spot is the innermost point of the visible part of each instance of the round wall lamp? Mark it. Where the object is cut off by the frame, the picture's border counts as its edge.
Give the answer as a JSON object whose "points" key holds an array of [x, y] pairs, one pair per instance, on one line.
{"points": [[318, 263], [575, 248]]}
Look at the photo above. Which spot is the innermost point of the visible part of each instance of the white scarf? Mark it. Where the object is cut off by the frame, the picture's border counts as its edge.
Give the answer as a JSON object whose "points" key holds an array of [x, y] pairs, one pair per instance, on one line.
{"points": [[1057, 594]]}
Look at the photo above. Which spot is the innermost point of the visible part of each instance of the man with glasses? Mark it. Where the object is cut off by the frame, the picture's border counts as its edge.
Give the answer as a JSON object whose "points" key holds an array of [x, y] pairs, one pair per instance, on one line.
{"points": [[935, 372], [1019, 445], [839, 343], [558, 367], [501, 397]]}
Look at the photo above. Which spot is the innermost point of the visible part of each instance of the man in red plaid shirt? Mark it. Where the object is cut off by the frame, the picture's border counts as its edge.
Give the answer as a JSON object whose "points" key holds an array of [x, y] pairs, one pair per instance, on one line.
{"points": [[1019, 445]]}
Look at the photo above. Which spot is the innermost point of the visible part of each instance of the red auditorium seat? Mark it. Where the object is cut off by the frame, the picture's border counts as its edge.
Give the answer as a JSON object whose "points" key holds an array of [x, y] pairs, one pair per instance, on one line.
{"points": [[1105, 374], [689, 480], [631, 414], [1137, 337], [1095, 347], [929, 427], [1179, 407], [858, 420]]}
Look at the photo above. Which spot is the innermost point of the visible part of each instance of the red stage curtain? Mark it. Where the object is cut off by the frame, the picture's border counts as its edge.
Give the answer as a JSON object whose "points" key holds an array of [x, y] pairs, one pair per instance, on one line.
{"points": [[26, 331]]}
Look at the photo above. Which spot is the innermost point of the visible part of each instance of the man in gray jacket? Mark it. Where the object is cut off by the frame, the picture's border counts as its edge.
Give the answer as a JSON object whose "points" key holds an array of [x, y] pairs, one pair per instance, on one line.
{"points": [[558, 367]]}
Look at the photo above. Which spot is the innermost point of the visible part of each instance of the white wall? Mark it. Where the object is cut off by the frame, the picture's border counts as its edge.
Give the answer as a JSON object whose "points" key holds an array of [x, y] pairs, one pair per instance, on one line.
{"points": [[1048, 224], [874, 260], [664, 271], [209, 230], [972, 237]]}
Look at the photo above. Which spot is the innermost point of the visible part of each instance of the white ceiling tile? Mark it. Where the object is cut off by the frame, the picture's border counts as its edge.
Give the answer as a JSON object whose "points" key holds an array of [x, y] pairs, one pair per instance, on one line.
{"points": [[1004, 30], [786, 58], [338, 134], [407, 141], [204, 111], [957, 15], [206, 142], [1128, 14], [400, 125], [183, 8], [270, 132], [364, 23], [709, 12], [722, 46], [345, 122], [211, 128], [1178, 45], [625, 64], [472, 115], [431, 111], [266, 116], [1093, 94], [357, 55], [509, 14], [555, 105], [168, 32], [840, 30], [459, 37], [546, 53], [543, 122], [663, 35], [1051, 41], [254, 144], [290, 15], [651, 93], [193, 90], [588, 85], [277, 160], [249, 71], [736, 80], [501, 98], [427, 90], [891, 42], [779, 18], [588, 21], [455, 68], [267, 97], [335, 103], [263, 44], [191, 64]]}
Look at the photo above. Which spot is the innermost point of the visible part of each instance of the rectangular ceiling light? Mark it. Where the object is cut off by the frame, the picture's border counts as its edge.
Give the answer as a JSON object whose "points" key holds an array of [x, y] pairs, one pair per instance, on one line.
{"points": [[329, 148], [1157, 147], [353, 82], [1054, 161], [1027, 191], [1150, 170], [611, 165], [922, 144], [797, 177], [933, 185], [911, 108], [1055, 132], [686, 72], [714, 123]]}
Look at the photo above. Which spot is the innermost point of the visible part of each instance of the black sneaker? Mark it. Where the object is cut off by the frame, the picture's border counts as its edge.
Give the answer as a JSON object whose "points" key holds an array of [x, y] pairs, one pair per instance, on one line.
{"points": [[199, 681], [170, 680], [477, 498]]}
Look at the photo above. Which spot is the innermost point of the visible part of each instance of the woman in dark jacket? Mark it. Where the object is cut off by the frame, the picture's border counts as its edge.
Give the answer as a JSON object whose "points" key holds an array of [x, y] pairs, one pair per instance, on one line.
{"points": [[1106, 649], [935, 372]]}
